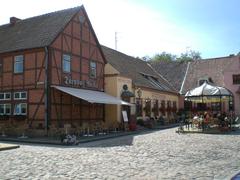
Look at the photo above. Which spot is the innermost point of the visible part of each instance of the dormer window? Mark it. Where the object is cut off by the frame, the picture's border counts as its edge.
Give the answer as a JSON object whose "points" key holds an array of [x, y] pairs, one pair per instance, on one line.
{"points": [[203, 80]]}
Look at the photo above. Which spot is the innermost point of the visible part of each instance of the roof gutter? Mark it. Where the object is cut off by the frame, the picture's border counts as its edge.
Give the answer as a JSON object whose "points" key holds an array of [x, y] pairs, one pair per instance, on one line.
{"points": [[184, 79]]}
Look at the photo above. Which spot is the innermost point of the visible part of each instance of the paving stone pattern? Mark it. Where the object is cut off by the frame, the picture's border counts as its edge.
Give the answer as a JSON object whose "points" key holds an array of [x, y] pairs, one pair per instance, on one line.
{"points": [[158, 155]]}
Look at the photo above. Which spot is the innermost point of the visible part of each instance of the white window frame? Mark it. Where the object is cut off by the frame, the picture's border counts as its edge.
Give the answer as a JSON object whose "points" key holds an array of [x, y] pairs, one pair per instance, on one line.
{"points": [[18, 62], [20, 95], [66, 60], [20, 105], [93, 69], [4, 109], [5, 96]]}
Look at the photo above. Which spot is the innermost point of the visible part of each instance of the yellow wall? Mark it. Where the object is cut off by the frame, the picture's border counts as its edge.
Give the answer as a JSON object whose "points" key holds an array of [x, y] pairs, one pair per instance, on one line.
{"points": [[108, 69], [157, 95], [114, 86]]}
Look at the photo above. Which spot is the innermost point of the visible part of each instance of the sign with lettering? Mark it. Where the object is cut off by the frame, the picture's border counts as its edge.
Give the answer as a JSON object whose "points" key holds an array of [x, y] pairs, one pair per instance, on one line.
{"points": [[80, 83]]}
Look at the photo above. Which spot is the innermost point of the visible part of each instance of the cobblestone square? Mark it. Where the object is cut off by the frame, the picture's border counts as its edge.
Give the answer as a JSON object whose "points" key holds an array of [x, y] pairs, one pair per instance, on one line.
{"points": [[158, 155]]}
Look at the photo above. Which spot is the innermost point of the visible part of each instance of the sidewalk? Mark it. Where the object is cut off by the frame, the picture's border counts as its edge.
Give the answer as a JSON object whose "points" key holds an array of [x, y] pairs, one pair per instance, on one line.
{"points": [[7, 146], [83, 139]]}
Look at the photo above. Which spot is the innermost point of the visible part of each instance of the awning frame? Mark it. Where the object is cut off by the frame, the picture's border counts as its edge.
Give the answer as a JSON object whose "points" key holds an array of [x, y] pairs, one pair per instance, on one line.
{"points": [[91, 96]]}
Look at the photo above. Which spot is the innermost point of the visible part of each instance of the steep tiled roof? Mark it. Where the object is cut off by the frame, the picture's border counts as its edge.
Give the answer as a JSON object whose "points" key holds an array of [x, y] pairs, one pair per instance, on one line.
{"points": [[173, 71], [138, 70], [207, 68], [34, 32]]}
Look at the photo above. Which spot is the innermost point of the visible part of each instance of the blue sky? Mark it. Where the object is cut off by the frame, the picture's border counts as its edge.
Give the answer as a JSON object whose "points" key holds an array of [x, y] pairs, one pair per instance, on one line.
{"points": [[147, 27], [215, 20]]}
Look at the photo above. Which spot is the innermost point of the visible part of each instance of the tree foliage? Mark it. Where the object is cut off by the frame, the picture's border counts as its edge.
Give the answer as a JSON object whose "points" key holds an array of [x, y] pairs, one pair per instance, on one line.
{"points": [[164, 57], [190, 55]]}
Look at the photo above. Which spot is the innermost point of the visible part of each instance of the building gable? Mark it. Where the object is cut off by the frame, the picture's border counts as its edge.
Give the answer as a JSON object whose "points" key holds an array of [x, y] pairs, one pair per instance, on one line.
{"points": [[80, 28], [78, 41]]}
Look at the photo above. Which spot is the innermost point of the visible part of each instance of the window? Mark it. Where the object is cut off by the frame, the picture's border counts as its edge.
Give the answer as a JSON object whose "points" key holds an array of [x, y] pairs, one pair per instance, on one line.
{"points": [[20, 95], [18, 64], [201, 81], [5, 109], [147, 107], [236, 78], [162, 109], [139, 107], [20, 109], [155, 108], [205, 79], [174, 106], [154, 81], [66, 63], [168, 104], [5, 96], [93, 70]]}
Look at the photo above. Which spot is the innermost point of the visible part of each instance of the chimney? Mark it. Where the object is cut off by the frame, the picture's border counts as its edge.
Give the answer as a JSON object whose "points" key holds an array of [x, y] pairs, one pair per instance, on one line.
{"points": [[13, 20]]}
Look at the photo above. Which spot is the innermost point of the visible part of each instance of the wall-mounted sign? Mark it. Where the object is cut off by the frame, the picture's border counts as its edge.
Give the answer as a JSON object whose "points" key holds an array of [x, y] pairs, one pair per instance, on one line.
{"points": [[80, 83]]}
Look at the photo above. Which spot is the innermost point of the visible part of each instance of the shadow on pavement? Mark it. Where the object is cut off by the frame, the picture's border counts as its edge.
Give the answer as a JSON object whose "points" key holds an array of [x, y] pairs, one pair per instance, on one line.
{"points": [[112, 140]]}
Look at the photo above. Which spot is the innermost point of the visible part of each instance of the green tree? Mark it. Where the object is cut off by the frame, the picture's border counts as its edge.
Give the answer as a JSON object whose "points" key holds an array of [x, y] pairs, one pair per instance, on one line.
{"points": [[190, 55], [164, 57]]}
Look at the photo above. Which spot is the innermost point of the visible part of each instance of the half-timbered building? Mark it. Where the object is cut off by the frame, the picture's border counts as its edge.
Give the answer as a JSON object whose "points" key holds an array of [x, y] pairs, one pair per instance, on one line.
{"points": [[51, 74]]}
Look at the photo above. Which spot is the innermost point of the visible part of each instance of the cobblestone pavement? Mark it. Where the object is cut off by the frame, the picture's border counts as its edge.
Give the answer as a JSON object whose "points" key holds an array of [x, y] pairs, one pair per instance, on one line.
{"points": [[158, 155]]}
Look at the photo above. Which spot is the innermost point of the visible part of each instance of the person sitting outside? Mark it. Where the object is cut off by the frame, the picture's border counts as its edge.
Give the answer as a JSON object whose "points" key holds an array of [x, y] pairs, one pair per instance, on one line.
{"points": [[206, 120]]}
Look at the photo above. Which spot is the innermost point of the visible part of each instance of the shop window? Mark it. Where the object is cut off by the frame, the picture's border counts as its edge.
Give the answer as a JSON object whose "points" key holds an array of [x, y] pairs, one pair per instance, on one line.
{"points": [[5, 109], [147, 107], [93, 69], [155, 109], [66, 63], [5, 96], [138, 107], [20, 109], [168, 105], [162, 109], [236, 78], [18, 64], [174, 106], [20, 95]]}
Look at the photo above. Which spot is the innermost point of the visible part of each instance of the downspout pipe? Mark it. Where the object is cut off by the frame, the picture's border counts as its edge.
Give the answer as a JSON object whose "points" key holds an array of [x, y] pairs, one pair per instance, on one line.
{"points": [[46, 104]]}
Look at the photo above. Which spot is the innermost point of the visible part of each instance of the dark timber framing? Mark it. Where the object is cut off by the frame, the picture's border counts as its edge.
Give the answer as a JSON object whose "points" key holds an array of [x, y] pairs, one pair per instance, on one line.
{"points": [[48, 108]]}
